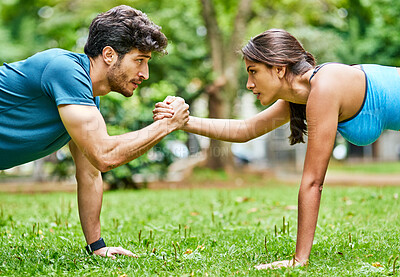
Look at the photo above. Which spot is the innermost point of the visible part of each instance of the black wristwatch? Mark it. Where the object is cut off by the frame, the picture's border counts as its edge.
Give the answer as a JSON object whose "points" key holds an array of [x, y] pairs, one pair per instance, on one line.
{"points": [[90, 248]]}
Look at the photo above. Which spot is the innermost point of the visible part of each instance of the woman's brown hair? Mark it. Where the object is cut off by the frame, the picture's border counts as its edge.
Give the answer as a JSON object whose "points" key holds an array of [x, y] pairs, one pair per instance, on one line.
{"points": [[277, 47]]}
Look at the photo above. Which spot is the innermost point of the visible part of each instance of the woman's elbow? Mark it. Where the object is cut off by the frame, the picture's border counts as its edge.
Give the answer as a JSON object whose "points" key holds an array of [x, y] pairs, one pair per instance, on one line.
{"points": [[242, 137], [313, 183]]}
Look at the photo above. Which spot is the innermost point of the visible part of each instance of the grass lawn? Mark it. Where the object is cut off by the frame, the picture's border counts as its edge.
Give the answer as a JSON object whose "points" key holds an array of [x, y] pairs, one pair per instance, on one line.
{"points": [[202, 232]]}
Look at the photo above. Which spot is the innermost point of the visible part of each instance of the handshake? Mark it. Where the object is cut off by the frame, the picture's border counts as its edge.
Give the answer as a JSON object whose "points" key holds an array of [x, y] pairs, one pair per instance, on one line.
{"points": [[173, 109]]}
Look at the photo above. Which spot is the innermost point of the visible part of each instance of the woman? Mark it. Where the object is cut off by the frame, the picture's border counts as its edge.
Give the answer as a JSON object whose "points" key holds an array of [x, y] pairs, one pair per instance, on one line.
{"points": [[359, 101]]}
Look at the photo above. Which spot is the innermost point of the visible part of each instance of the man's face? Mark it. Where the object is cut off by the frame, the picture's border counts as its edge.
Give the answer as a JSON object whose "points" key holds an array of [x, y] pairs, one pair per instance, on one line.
{"points": [[127, 73]]}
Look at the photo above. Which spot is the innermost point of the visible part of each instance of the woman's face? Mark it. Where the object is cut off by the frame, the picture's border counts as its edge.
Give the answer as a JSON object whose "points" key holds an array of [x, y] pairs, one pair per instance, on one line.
{"points": [[265, 82]]}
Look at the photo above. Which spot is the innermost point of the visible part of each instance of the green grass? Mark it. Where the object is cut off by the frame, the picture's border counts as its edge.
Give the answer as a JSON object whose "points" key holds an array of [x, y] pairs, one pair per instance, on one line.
{"points": [[220, 232], [366, 168]]}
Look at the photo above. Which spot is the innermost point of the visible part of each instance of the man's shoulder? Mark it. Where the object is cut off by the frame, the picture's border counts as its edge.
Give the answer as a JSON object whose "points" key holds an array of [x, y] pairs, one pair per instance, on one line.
{"points": [[60, 61], [56, 52]]}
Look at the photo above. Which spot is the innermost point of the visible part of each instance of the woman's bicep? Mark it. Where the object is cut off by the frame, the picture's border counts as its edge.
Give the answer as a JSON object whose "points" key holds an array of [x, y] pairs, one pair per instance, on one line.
{"points": [[322, 120]]}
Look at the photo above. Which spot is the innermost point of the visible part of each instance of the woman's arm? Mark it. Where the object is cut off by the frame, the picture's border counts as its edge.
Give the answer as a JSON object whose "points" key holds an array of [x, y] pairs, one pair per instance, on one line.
{"points": [[234, 130], [322, 119]]}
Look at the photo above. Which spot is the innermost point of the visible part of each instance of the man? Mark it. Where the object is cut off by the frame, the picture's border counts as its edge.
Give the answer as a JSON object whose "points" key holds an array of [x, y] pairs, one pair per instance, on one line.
{"points": [[52, 98]]}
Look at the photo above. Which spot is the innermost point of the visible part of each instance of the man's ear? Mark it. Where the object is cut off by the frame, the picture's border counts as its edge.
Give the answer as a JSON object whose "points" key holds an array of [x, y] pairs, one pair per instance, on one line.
{"points": [[281, 71], [109, 55]]}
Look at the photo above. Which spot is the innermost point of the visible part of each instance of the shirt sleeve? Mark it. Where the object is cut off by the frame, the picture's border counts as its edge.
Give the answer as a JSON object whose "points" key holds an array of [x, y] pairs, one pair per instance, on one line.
{"points": [[66, 82]]}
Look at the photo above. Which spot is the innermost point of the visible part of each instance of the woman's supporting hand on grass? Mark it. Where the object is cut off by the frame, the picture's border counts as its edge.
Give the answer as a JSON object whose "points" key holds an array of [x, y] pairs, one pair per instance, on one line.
{"points": [[279, 264]]}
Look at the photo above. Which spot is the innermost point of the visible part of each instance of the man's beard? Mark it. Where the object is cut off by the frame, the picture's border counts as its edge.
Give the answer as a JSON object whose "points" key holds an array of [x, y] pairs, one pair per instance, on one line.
{"points": [[117, 79]]}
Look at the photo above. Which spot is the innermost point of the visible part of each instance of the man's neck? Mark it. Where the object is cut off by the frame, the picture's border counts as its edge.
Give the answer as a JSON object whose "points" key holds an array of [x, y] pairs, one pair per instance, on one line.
{"points": [[98, 75]]}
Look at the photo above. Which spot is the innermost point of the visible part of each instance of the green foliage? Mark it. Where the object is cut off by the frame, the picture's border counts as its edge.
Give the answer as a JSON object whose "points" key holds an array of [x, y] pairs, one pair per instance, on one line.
{"points": [[197, 231], [129, 114], [349, 31]]}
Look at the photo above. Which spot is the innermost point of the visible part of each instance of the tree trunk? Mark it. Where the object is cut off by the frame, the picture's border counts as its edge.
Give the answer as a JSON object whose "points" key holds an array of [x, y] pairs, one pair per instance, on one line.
{"points": [[222, 95], [219, 154]]}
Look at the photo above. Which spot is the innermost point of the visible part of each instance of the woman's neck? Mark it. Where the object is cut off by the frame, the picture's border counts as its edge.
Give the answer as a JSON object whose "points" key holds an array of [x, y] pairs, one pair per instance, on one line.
{"points": [[299, 88]]}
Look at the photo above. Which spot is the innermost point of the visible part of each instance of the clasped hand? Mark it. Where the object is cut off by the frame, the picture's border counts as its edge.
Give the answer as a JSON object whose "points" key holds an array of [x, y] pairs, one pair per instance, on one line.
{"points": [[173, 108]]}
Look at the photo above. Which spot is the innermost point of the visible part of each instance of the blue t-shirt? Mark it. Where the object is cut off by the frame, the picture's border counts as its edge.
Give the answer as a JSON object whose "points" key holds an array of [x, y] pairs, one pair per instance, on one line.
{"points": [[30, 91]]}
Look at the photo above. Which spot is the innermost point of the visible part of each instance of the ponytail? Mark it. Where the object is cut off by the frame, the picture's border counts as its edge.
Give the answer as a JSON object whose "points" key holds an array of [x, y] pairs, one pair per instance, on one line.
{"points": [[298, 124], [310, 58]]}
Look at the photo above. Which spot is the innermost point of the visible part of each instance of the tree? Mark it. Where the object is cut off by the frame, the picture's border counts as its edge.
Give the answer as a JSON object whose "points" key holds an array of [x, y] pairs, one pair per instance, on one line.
{"points": [[223, 50]]}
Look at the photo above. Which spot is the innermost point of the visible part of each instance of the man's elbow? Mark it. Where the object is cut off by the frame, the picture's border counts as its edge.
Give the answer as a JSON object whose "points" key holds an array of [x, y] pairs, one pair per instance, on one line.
{"points": [[103, 163]]}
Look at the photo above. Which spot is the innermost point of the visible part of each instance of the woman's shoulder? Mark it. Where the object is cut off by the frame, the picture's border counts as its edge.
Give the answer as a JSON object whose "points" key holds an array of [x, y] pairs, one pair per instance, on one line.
{"points": [[333, 75]]}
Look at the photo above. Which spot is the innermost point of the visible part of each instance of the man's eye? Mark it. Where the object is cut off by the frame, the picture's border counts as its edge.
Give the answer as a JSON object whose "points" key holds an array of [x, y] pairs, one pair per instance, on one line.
{"points": [[140, 60], [252, 72]]}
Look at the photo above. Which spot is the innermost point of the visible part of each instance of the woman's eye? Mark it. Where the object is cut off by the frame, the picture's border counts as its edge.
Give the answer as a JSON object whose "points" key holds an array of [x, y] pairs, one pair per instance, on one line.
{"points": [[140, 61], [252, 72]]}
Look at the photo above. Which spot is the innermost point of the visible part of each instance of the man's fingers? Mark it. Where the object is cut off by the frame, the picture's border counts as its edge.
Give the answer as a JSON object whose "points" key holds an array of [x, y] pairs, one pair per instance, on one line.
{"points": [[160, 116], [122, 251], [126, 252], [163, 111], [111, 251], [163, 105]]}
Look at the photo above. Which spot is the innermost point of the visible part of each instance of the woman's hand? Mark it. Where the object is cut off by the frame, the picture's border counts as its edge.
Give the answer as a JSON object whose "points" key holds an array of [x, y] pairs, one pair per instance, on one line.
{"points": [[280, 264]]}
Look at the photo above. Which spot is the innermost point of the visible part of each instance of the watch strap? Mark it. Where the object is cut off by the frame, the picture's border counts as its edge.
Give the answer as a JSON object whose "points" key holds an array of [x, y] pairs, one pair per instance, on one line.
{"points": [[90, 248]]}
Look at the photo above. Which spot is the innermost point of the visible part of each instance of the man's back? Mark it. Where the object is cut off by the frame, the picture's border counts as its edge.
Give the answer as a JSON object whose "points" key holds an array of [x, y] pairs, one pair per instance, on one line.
{"points": [[30, 91]]}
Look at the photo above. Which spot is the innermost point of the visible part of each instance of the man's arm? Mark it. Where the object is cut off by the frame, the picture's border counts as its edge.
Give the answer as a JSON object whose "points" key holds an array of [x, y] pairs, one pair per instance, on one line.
{"points": [[90, 194], [88, 130]]}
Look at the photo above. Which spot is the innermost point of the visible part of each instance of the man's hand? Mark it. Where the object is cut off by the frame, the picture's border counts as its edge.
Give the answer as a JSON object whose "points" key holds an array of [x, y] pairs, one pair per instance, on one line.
{"points": [[165, 109], [279, 264], [173, 109], [162, 110], [111, 251], [181, 112]]}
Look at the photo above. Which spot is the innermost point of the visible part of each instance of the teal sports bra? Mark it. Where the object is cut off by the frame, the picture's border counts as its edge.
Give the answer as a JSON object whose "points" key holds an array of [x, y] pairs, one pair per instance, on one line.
{"points": [[380, 109]]}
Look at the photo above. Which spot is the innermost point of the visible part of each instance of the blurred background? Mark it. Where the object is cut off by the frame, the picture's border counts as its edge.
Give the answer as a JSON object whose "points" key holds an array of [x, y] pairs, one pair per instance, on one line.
{"points": [[204, 39]]}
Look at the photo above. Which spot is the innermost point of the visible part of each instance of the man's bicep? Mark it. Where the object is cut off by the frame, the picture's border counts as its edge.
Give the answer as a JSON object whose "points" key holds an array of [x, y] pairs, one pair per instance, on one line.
{"points": [[84, 124]]}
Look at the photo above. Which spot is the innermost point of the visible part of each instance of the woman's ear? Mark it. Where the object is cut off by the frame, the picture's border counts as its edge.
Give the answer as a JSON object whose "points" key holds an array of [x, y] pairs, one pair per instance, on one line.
{"points": [[280, 71]]}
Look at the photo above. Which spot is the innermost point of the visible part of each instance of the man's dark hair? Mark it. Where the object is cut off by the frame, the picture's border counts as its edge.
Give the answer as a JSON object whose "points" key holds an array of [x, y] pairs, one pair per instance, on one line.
{"points": [[124, 28]]}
